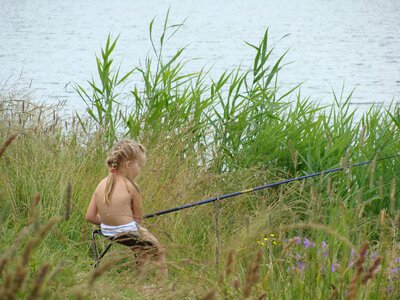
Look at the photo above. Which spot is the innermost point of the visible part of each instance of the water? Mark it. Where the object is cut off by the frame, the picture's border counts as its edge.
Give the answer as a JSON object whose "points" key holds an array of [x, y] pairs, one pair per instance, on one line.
{"points": [[350, 43]]}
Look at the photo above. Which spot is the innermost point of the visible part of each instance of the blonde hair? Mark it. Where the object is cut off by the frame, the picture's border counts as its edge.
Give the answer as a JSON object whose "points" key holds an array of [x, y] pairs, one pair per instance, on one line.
{"points": [[122, 151]]}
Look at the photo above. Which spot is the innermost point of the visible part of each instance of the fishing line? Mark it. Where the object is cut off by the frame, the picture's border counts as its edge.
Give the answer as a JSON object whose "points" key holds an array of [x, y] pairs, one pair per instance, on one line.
{"points": [[254, 189]]}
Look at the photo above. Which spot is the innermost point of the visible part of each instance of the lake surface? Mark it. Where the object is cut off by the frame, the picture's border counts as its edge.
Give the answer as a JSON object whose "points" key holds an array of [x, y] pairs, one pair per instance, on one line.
{"points": [[350, 43]]}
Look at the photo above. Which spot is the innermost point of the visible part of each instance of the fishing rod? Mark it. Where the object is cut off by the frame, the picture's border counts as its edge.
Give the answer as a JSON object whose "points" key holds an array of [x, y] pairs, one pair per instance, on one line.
{"points": [[269, 185]]}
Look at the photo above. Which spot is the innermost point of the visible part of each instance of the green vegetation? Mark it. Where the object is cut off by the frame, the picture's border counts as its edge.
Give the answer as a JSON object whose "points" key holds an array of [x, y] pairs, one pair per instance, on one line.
{"points": [[206, 137]]}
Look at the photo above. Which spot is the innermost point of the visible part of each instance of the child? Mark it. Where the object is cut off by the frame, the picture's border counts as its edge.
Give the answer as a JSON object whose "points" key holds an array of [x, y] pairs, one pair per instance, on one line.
{"points": [[116, 204]]}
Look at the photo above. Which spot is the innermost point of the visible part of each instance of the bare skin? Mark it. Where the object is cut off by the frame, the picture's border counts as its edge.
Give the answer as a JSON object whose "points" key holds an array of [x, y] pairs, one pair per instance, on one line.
{"points": [[125, 206]]}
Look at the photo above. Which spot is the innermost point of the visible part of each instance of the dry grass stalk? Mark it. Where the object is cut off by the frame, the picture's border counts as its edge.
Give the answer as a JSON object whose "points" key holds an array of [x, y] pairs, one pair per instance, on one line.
{"points": [[253, 275], [18, 280], [372, 174], [314, 194], [393, 188], [211, 295], [372, 270], [289, 244], [55, 272], [12, 250], [329, 186], [381, 186], [382, 217], [236, 283], [97, 272], [262, 296], [344, 161], [217, 235], [352, 290], [40, 236], [34, 212], [78, 296], [6, 285], [7, 143], [35, 292], [334, 293], [67, 214], [398, 218], [3, 262], [229, 264]]}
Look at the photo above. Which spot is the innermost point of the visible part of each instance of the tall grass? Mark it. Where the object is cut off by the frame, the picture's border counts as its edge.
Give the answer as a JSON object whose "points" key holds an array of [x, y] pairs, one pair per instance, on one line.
{"points": [[205, 137]]}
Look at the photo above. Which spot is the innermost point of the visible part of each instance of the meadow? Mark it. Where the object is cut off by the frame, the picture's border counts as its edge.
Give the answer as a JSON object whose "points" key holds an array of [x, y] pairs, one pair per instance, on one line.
{"points": [[334, 236]]}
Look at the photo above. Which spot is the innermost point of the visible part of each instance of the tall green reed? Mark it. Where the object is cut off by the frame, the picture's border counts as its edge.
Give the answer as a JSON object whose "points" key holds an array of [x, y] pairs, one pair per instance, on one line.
{"points": [[103, 101]]}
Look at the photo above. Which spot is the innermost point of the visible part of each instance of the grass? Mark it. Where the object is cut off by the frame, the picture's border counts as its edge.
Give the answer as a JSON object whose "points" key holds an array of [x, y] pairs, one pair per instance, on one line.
{"points": [[206, 137]]}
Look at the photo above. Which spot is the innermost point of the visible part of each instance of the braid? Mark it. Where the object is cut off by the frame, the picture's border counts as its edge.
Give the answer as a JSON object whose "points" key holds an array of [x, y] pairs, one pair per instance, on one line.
{"points": [[122, 151], [113, 162]]}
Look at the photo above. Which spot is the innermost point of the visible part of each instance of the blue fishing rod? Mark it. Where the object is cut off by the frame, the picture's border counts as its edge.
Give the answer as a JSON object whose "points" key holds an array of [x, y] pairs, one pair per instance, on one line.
{"points": [[98, 257], [269, 185]]}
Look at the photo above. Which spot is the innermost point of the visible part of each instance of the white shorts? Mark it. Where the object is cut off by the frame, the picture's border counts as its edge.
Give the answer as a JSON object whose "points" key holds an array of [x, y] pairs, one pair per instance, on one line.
{"points": [[108, 230]]}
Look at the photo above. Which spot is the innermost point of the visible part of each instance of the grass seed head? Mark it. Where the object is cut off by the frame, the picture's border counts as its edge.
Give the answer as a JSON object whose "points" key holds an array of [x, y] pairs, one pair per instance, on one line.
{"points": [[7, 143], [39, 282], [352, 290], [372, 270], [253, 274]]}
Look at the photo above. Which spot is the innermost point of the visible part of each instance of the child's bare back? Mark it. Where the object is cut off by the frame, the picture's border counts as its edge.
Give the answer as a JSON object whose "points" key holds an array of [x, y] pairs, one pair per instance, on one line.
{"points": [[120, 209]]}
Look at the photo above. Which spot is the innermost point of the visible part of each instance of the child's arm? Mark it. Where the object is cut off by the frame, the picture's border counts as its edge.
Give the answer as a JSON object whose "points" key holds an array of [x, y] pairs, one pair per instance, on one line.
{"points": [[137, 204], [92, 214]]}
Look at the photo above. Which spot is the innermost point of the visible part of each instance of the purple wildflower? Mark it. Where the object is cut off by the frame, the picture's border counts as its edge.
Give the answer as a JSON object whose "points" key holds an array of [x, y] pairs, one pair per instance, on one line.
{"points": [[324, 246], [335, 266], [301, 265], [390, 289], [307, 243]]}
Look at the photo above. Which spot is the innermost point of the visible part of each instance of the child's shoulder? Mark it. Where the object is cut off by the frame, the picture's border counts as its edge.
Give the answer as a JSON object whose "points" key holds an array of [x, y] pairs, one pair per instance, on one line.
{"points": [[102, 183], [132, 185]]}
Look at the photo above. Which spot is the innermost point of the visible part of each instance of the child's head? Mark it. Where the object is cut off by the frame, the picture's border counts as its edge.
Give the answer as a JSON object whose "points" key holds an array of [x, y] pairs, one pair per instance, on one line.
{"points": [[127, 158], [126, 151]]}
